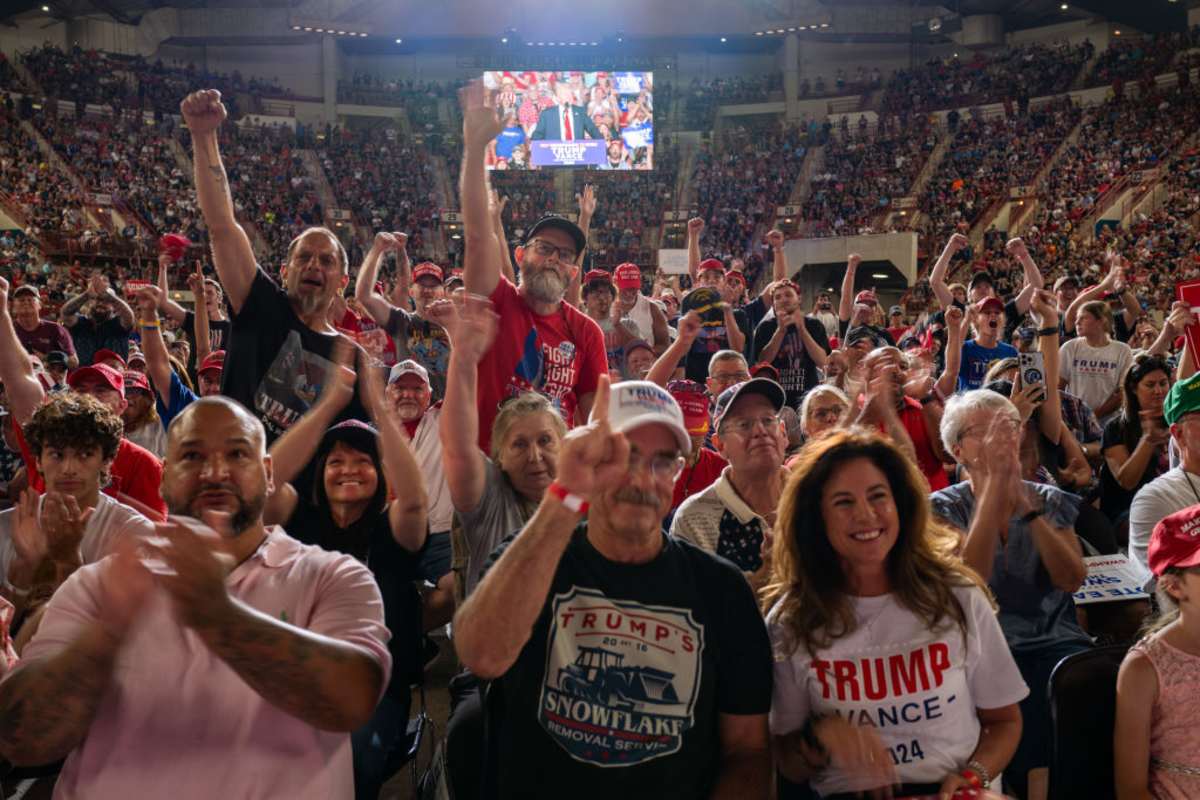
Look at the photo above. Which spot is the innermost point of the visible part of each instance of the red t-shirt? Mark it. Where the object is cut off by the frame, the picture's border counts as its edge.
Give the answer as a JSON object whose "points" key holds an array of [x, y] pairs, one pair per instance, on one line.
{"points": [[560, 355], [136, 475], [694, 480], [931, 466]]}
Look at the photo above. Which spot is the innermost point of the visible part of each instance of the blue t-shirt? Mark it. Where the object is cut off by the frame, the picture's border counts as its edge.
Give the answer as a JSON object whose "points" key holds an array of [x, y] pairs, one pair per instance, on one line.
{"points": [[508, 140], [180, 397], [975, 362]]}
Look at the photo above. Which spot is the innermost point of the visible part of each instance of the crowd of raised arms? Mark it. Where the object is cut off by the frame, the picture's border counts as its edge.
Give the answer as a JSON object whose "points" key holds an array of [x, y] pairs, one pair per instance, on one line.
{"points": [[693, 536]]}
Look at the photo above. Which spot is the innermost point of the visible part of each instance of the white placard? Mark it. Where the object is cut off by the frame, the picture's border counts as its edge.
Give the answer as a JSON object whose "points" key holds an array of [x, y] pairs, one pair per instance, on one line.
{"points": [[673, 261], [1110, 578]]}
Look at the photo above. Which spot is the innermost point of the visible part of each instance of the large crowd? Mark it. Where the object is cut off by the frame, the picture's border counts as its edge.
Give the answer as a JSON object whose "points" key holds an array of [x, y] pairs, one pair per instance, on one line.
{"points": [[697, 532]]}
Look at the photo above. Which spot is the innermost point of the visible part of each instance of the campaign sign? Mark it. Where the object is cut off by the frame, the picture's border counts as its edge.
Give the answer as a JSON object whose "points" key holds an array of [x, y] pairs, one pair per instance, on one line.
{"points": [[133, 286], [1189, 292], [627, 82], [567, 154], [1110, 578]]}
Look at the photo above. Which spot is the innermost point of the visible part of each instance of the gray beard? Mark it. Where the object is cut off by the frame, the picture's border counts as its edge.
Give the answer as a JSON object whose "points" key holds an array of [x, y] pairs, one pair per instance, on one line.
{"points": [[545, 287]]}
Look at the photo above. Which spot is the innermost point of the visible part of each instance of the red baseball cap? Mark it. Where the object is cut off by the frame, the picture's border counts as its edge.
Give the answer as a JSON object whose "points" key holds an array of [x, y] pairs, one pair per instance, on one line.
{"points": [[866, 297], [1175, 541], [709, 264], [214, 360], [735, 275], [627, 276], [174, 245], [693, 402], [427, 269], [101, 372], [989, 304], [136, 380], [764, 370], [104, 354]]}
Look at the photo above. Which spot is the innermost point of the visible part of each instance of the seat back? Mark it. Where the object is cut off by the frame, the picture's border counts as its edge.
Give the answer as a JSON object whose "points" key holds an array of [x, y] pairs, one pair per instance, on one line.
{"points": [[1083, 704]]}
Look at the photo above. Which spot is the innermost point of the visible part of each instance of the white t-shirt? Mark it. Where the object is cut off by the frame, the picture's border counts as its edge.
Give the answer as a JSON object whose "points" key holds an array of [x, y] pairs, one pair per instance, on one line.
{"points": [[152, 436], [427, 447], [110, 520], [1093, 373], [1166, 494], [918, 688]]}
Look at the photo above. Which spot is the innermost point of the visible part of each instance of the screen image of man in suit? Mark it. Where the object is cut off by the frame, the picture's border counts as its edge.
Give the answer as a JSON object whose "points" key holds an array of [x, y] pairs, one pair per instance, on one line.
{"points": [[565, 121]]}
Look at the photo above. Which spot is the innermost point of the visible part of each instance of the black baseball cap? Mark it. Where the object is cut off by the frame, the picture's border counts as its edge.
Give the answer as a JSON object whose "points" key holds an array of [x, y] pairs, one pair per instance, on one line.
{"points": [[978, 278], [56, 358], [560, 223]]}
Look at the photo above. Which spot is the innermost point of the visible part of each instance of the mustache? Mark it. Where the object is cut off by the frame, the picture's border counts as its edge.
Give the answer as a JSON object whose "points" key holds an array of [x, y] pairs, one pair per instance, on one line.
{"points": [[637, 497]]}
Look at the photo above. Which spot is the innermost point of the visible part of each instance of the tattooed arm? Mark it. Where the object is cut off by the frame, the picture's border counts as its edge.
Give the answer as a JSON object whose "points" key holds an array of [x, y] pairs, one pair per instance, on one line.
{"points": [[330, 684], [47, 704], [232, 254]]}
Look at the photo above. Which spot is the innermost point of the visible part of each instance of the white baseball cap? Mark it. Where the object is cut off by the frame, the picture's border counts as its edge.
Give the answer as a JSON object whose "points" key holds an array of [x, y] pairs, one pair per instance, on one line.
{"points": [[408, 367], [632, 404]]}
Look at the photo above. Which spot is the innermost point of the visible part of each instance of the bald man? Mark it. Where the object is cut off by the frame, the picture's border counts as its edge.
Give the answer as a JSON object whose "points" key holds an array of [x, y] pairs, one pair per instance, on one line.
{"points": [[222, 659]]}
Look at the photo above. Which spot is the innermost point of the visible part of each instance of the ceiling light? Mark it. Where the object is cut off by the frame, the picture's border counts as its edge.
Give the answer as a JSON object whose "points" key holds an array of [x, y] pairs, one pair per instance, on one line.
{"points": [[341, 33], [793, 30], [1116, 33], [758, 33], [308, 28], [723, 39], [503, 40], [46, 9], [1064, 6], [320, 30], [295, 27], [802, 27], [824, 24], [399, 41], [879, 276]]}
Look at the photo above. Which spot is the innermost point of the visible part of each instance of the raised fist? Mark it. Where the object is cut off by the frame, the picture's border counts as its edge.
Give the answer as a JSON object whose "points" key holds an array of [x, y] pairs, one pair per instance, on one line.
{"points": [[689, 326], [203, 111], [957, 242], [695, 226], [1017, 249], [853, 260], [775, 238]]}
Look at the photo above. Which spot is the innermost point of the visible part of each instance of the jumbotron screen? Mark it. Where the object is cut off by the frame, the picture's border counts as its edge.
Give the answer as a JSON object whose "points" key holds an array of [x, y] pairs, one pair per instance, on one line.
{"points": [[582, 120]]}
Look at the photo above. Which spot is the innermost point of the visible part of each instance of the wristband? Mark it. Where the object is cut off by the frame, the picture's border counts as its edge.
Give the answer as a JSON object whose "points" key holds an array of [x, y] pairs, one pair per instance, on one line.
{"points": [[16, 591], [984, 775], [572, 501], [1050, 331], [974, 780], [150, 323]]}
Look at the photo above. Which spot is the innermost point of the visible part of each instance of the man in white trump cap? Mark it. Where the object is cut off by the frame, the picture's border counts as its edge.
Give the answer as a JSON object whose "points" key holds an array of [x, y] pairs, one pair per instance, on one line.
{"points": [[409, 392], [618, 653]]}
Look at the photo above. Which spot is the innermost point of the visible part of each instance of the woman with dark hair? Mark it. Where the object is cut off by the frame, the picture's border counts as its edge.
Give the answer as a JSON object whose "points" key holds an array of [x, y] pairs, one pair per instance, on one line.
{"points": [[1135, 441], [890, 666], [345, 508]]}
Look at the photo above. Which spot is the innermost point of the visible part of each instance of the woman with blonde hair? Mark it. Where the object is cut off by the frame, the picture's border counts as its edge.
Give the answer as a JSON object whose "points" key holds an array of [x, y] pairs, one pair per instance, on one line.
{"points": [[890, 666]]}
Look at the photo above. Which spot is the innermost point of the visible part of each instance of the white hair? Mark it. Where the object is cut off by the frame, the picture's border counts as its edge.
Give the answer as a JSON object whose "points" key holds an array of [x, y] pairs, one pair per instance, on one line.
{"points": [[819, 391], [962, 406], [726, 355]]}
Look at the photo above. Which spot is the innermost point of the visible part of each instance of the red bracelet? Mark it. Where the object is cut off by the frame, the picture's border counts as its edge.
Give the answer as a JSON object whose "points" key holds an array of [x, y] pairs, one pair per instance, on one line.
{"points": [[972, 778], [572, 501]]}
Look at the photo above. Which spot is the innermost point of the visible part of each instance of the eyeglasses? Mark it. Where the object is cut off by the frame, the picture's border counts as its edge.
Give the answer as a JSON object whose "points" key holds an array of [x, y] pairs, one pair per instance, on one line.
{"points": [[743, 427], [730, 378], [662, 467], [546, 250]]}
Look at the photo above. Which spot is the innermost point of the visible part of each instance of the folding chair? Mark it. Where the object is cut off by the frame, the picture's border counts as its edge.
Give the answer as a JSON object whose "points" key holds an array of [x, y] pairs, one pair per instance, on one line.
{"points": [[1083, 705]]}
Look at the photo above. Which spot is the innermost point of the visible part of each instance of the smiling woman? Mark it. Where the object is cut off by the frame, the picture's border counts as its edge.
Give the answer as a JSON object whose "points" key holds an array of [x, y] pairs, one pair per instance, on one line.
{"points": [[890, 666]]}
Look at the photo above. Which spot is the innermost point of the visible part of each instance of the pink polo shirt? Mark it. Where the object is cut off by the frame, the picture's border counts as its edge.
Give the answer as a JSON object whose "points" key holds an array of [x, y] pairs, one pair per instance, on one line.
{"points": [[179, 723]]}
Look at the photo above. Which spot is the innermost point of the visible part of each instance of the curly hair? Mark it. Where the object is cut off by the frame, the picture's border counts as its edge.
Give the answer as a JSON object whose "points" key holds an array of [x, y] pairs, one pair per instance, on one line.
{"points": [[809, 589], [78, 421]]}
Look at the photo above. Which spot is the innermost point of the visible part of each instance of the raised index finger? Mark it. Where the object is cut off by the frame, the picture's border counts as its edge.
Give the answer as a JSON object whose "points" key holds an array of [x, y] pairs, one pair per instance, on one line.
{"points": [[600, 404]]}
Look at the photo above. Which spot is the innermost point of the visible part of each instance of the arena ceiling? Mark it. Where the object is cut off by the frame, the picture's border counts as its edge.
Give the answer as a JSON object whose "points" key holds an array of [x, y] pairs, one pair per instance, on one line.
{"points": [[720, 17]]}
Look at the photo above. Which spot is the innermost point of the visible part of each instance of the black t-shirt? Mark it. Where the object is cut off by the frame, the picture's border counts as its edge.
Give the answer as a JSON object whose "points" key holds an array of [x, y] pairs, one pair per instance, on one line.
{"points": [[218, 335], [797, 370], [275, 365], [369, 539], [90, 337], [713, 335], [624, 675], [1115, 500]]}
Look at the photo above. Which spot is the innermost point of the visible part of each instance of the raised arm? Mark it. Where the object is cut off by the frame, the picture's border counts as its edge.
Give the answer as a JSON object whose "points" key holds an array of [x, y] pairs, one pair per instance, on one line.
{"points": [[496, 205], [200, 332], [1050, 417], [24, 390], [587, 208], [779, 265], [846, 302], [408, 513], [158, 364], [481, 262], [1033, 277], [737, 339], [462, 460], [1088, 295], [956, 334], [495, 622], [937, 278], [695, 227], [168, 306], [665, 365], [203, 112], [368, 275]]}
